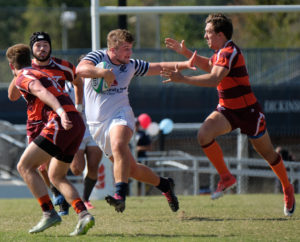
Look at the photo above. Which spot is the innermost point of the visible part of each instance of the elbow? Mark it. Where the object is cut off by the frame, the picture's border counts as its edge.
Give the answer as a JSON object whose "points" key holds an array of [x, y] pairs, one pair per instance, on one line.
{"points": [[12, 97], [80, 69]]}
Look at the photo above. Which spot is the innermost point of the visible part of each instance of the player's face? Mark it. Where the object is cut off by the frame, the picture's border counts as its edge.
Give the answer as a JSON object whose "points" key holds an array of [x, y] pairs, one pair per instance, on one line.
{"points": [[41, 50], [212, 38], [123, 53]]}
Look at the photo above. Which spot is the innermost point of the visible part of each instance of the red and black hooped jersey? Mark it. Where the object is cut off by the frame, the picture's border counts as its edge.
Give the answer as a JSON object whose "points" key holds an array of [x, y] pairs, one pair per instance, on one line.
{"points": [[36, 109], [234, 90], [60, 70]]}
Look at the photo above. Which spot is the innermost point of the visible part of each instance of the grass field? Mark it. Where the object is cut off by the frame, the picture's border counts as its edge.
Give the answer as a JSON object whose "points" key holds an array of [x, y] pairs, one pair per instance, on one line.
{"points": [[255, 217]]}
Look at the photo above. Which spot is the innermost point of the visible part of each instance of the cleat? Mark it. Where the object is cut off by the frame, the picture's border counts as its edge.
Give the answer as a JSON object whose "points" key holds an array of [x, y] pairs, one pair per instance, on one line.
{"points": [[88, 205], [289, 201], [226, 183], [57, 200], [171, 197], [117, 201], [45, 223], [83, 225], [64, 208]]}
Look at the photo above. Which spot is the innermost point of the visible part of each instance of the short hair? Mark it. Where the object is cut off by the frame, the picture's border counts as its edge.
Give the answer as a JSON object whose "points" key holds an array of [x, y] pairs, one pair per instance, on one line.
{"points": [[221, 23], [19, 56], [80, 58], [119, 36]]}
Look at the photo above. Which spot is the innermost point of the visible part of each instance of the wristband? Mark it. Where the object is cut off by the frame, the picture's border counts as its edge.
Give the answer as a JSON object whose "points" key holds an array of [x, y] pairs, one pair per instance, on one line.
{"points": [[79, 107], [59, 111]]}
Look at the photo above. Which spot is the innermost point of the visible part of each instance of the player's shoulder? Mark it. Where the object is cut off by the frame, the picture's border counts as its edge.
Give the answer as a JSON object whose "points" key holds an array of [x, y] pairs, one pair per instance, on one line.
{"points": [[62, 62], [96, 56]]}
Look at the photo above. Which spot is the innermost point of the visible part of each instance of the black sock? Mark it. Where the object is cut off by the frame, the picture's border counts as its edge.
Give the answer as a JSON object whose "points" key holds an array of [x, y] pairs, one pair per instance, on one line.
{"points": [[163, 185], [54, 190], [88, 188], [121, 189]]}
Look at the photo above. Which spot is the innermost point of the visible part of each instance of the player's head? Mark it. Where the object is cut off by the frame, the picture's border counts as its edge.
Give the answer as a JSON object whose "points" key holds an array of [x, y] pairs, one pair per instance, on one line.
{"points": [[119, 43], [80, 57], [19, 56], [40, 44], [221, 23]]}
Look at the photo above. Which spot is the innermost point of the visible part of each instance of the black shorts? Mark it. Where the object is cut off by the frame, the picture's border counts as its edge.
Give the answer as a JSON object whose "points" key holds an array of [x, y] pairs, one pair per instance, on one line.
{"points": [[250, 120]]}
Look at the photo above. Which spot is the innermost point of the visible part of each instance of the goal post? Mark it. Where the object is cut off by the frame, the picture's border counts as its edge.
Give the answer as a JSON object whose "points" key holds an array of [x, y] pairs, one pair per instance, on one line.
{"points": [[97, 10]]}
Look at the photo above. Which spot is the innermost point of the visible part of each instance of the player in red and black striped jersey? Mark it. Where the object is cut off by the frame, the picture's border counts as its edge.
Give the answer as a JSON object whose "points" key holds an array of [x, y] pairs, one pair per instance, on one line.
{"points": [[237, 108], [59, 139], [60, 71]]}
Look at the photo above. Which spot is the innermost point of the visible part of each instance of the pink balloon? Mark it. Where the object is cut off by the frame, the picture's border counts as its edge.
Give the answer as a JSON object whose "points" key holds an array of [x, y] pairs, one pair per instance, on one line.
{"points": [[144, 120]]}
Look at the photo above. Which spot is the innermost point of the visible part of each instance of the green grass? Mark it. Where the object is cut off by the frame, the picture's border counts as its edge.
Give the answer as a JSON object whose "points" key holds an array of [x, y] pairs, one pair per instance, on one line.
{"points": [[255, 217]]}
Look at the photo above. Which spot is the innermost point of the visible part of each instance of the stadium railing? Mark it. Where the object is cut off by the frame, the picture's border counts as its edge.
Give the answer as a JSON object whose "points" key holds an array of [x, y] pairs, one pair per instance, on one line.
{"points": [[175, 161]]}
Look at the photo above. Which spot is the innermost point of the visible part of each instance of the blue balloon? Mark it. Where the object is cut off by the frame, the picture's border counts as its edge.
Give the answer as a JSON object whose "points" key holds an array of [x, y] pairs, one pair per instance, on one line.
{"points": [[166, 125]]}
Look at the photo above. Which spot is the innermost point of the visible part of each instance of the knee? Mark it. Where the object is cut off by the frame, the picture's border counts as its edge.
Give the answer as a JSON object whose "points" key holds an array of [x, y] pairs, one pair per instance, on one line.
{"points": [[24, 168], [202, 139], [21, 169], [76, 172], [117, 146], [55, 178]]}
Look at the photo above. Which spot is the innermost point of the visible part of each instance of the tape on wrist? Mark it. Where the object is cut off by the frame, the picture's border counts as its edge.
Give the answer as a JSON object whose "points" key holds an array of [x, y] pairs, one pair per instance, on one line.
{"points": [[59, 111], [79, 107]]}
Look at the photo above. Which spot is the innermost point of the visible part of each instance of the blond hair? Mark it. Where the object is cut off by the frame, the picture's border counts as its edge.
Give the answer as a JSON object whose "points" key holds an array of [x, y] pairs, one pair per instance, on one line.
{"points": [[118, 36]]}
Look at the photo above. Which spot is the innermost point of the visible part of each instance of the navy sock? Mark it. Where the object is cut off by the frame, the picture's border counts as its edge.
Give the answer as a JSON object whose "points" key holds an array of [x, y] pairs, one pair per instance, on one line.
{"points": [[121, 189], [88, 188], [164, 184]]}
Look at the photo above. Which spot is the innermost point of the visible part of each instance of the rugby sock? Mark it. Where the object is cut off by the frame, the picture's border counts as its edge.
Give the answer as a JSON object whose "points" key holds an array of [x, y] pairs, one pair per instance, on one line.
{"points": [[45, 203], [88, 187], [54, 190], [163, 185], [78, 205], [279, 169], [214, 153], [121, 189]]}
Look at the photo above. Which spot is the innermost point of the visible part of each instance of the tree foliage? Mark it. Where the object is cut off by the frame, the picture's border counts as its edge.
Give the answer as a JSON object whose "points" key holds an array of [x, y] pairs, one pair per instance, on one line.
{"points": [[18, 19]]}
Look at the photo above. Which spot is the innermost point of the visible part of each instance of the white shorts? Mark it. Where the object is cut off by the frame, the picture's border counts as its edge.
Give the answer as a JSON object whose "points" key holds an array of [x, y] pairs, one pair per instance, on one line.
{"points": [[100, 132], [87, 141]]}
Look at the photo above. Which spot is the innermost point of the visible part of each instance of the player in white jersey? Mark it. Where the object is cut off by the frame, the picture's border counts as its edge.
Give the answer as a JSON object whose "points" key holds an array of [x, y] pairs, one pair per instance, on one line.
{"points": [[89, 149], [110, 117]]}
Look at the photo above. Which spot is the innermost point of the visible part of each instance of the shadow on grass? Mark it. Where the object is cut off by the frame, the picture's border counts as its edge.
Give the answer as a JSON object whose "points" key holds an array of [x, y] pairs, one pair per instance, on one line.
{"points": [[201, 219], [141, 235]]}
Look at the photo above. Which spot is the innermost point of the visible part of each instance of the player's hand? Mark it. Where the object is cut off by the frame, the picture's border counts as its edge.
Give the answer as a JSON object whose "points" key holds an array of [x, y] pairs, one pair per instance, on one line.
{"points": [[173, 44], [65, 122], [109, 76], [191, 61], [171, 75]]}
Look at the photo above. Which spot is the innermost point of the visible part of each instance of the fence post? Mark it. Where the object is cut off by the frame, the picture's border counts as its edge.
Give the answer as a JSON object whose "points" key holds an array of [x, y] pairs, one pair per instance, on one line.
{"points": [[196, 177], [242, 152]]}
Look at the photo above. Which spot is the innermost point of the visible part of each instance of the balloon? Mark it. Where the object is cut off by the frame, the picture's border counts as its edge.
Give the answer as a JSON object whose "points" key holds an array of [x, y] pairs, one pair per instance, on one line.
{"points": [[166, 125], [153, 129], [144, 120]]}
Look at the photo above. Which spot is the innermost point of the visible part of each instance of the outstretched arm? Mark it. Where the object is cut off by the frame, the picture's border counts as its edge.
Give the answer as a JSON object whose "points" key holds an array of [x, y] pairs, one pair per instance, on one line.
{"points": [[206, 80], [200, 61], [157, 67]]}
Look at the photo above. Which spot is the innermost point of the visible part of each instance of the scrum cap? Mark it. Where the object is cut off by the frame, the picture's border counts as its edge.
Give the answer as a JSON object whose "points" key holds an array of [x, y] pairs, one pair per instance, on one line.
{"points": [[38, 36]]}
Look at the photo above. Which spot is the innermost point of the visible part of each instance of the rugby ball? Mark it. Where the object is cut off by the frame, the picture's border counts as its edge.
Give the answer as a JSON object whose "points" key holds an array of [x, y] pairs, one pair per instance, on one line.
{"points": [[99, 84]]}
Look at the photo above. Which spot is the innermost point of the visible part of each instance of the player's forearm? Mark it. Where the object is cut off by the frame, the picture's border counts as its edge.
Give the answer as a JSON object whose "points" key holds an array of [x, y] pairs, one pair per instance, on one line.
{"points": [[205, 80], [203, 63]]}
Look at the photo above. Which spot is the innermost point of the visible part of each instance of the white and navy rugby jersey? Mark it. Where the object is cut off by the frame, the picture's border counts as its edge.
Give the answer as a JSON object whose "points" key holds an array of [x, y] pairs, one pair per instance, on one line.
{"points": [[100, 106]]}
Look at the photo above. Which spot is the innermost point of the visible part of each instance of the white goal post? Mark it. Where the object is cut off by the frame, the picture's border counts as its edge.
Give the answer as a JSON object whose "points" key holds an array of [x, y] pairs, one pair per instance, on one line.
{"points": [[97, 10]]}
